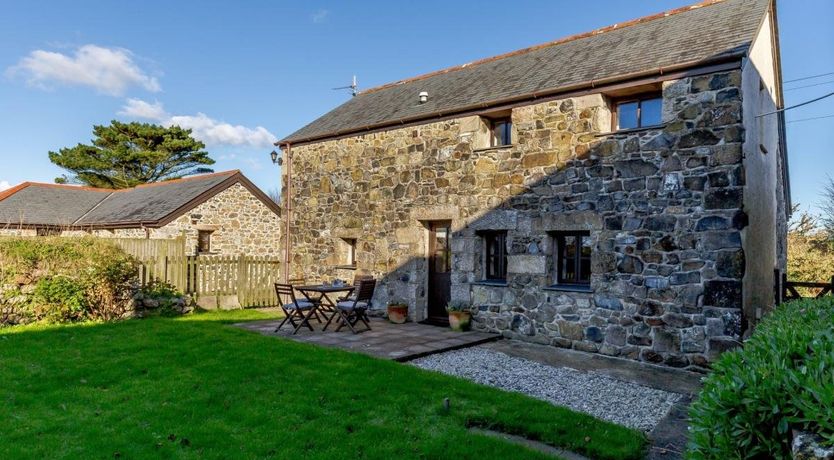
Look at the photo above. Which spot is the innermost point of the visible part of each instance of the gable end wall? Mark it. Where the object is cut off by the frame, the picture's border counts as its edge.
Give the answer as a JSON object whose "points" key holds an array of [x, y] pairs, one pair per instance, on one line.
{"points": [[664, 208]]}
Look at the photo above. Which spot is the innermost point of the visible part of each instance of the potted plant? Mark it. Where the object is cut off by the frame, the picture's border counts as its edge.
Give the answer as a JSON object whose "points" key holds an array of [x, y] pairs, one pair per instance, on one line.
{"points": [[397, 312], [460, 316]]}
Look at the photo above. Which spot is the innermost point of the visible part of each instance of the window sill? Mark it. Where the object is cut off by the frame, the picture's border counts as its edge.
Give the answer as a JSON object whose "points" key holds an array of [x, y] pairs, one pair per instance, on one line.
{"points": [[493, 283], [569, 288], [631, 130], [345, 267], [497, 147]]}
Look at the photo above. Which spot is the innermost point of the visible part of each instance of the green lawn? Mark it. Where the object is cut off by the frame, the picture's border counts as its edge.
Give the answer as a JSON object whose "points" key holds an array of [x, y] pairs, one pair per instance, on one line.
{"points": [[194, 388]]}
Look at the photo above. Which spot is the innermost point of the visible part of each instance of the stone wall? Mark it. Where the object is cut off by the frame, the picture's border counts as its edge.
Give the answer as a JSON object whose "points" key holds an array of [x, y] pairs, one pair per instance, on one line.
{"points": [[10, 231], [663, 207], [241, 224]]}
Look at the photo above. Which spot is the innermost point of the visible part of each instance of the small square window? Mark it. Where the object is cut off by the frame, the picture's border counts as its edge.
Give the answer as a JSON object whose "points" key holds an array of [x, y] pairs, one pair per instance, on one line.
{"points": [[47, 231], [639, 113], [495, 255], [573, 258], [501, 132], [203, 241]]}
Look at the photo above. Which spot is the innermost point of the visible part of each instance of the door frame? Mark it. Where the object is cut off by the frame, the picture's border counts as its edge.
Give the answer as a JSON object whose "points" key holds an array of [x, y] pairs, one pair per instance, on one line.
{"points": [[428, 257]]}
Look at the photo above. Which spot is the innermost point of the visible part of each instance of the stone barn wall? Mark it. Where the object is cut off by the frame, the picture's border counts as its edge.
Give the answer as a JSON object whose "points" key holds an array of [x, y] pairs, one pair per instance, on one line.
{"points": [[663, 207], [241, 224]]}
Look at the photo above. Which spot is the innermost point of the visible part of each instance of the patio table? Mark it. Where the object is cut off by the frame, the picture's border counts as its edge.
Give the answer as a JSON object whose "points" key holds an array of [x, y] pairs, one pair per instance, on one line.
{"points": [[322, 302]]}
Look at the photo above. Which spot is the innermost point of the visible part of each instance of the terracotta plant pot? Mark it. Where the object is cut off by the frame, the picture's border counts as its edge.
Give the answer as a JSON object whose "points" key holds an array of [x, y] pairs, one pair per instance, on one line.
{"points": [[460, 320], [398, 314]]}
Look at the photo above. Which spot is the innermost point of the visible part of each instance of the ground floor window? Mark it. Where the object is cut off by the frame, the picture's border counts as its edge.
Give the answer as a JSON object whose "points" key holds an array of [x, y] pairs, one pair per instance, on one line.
{"points": [[495, 255], [47, 231], [203, 241], [573, 258], [350, 251]]}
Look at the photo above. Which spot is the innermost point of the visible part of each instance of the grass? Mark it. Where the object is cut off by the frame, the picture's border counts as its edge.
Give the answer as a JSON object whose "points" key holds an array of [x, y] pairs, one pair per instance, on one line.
{"points": [[194, 388]]}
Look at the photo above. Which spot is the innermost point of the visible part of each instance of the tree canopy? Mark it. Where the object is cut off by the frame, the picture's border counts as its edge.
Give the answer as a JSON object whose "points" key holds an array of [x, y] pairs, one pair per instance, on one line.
{"points": [[124, 155]]}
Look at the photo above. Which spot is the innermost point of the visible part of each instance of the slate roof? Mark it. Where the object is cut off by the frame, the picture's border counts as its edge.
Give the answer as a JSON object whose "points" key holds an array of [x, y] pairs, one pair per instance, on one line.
{"points": [[46, 204], [695, 35], [34, 204], [153, 202]]}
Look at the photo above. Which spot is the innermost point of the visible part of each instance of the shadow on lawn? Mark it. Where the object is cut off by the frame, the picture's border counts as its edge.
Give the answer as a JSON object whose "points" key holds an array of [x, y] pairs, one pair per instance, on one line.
{"points": [[131, 387]]}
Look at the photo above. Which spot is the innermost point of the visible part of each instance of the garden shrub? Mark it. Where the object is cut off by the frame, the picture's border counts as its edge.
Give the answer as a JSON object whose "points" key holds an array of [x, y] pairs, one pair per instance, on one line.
{"points": [[60, 298], [782, 380], [64, 279]]}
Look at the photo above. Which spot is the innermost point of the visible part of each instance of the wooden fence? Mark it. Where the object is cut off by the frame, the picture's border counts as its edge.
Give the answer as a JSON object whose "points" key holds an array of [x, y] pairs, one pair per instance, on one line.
{"points": [[250, 278], [146, 248], [792, 290]]}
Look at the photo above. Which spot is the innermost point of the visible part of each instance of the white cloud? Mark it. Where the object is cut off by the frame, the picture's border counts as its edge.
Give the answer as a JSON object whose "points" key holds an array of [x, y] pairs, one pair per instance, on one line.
{"points": [[205, 128], [108, 70], [320, 16], [4, 184], [137, 108]]}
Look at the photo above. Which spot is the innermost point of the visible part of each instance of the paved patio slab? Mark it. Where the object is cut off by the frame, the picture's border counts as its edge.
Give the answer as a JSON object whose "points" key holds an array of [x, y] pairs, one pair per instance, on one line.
{"points": [[398, 342]]}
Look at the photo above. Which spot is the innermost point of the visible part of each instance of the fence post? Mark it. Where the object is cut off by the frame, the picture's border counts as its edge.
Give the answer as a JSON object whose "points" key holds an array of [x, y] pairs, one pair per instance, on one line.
{"points": [[777, 286], [783, 288]]}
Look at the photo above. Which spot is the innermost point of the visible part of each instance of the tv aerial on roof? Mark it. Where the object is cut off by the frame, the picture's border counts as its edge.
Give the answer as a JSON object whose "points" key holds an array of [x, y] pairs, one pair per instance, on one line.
{"points": [[352, 87]]}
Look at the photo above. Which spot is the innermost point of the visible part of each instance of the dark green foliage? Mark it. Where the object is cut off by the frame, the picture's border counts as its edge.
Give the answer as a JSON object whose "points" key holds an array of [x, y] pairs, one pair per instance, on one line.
{"points": [[195, 388], [73, 279], [783, 379], [124, 155], [59, 299]]}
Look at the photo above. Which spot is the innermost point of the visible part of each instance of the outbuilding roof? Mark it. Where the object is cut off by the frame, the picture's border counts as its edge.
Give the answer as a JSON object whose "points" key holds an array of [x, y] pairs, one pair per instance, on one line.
{"points": [[34, 204], [709, 32]]}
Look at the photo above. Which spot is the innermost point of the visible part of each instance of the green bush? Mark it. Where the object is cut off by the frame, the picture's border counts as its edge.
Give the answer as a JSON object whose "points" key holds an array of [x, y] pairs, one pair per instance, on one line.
{"points": [[64, 279], [783, 379], [60, 298]]}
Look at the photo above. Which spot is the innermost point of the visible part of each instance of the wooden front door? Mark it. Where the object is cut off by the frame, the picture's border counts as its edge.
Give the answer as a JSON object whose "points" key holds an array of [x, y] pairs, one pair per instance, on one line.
{"points": [[440, 271]]}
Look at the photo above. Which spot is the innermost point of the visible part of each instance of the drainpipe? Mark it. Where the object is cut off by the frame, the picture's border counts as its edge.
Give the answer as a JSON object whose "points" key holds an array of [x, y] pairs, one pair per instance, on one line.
{"points": [[288, 201]]}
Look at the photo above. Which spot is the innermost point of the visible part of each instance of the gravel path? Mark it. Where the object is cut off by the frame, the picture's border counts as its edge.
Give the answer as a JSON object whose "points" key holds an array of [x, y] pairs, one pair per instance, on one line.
{"points": [[624, 403]]}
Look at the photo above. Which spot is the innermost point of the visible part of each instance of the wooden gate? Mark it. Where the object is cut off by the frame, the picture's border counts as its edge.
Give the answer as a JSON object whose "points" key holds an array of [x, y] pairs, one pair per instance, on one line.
{"points": [[790, 290]]}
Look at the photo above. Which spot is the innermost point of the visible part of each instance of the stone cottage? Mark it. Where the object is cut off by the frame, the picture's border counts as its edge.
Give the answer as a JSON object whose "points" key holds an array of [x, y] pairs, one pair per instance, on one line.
{"points": [[218, 214], [622, 191]]}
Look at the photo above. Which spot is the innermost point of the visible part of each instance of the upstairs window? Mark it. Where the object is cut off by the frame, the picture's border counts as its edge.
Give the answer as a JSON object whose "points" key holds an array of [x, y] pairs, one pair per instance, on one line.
{"points": [[495, 256], [639, 112], [203, 241], [501, 130], [573, 258]]}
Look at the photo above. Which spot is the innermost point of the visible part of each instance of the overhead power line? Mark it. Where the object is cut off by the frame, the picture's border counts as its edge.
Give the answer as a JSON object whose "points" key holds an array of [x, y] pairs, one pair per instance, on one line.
{"points": [[809, 77], [808, 86], [810, 118], [797, 105]]}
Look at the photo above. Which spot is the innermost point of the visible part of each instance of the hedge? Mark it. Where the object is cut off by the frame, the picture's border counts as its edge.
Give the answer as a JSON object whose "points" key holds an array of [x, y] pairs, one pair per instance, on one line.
{"points": [[782, 380], [64, 279]]}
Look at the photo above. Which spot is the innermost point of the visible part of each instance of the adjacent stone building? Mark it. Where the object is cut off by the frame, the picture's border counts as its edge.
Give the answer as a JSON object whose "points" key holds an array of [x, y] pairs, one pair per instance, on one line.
{"points": [[216, 214], [623, 191]]}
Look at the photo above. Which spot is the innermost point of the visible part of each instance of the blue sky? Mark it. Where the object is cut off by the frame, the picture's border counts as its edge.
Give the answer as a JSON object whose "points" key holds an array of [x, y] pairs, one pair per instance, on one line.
{"points": [[244, 73]]}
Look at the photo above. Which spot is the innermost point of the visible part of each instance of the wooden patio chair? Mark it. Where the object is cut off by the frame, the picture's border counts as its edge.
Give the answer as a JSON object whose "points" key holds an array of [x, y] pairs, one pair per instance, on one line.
{"points": [[351, 312], [356, 280], [294, 309]]}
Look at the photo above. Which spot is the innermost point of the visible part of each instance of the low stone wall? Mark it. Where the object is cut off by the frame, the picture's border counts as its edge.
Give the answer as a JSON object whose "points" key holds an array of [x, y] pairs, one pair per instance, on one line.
{"points": [[808, 446]]}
